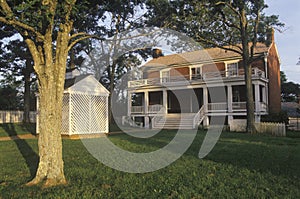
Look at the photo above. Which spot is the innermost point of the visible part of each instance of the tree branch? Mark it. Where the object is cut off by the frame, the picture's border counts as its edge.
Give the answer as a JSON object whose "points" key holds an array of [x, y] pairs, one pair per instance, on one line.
{"points": [[229, 6], [23, 26], [254, 41], [6, 8], [35, 55], [69, 6], [239, 50], [82, 36]]}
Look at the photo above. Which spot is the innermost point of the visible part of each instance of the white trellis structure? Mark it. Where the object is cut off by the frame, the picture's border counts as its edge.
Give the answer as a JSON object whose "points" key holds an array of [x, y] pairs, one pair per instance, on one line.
{"points": [[85, 107]]}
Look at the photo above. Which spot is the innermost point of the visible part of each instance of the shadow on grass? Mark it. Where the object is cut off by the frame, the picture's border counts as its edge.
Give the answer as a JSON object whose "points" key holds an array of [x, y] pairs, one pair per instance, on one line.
{"points": [[29, 127], [262, 153], [27, 152]]}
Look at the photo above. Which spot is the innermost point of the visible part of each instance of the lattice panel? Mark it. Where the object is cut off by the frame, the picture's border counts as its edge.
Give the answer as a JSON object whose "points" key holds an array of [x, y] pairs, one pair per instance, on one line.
{"points": [[65, 114], [99, 115], [88, 114], [80, 113]]}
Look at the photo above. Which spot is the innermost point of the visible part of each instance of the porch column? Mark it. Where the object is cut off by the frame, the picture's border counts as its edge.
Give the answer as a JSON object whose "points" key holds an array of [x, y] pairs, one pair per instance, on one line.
{"points": [[129, 103], [229, 103], [264, 94], [165, 100], [257, 98], [205, 104], [191, 103], [146, 105]]}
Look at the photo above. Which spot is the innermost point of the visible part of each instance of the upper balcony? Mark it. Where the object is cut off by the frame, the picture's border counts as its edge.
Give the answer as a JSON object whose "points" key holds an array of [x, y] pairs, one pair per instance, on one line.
{"points": [[207, 76]]}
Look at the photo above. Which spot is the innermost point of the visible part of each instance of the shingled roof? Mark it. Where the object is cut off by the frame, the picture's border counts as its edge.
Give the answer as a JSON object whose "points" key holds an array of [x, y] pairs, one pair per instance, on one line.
{"points": [[202, 56]]}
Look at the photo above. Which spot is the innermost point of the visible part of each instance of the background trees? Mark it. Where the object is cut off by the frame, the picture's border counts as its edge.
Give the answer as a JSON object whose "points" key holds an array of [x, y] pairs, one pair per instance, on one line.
{"points": [[290, 91]]}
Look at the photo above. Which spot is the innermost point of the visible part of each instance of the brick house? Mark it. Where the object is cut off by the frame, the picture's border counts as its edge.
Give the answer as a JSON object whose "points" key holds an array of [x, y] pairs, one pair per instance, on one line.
{"points": [[195, 77]]}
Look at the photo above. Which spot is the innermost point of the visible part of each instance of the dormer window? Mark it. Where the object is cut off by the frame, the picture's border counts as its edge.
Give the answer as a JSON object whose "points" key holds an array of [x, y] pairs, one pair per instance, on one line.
{"points": [[196, 72], [165, 76], [232, 69]]}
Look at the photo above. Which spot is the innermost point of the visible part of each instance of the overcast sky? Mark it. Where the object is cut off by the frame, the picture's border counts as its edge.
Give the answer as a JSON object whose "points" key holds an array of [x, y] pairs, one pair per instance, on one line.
{"points": [[288, 42]]}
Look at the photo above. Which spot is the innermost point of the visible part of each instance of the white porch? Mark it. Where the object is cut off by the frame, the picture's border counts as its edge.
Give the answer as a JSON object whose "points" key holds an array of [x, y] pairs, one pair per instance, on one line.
{"points": [[147, 104]]}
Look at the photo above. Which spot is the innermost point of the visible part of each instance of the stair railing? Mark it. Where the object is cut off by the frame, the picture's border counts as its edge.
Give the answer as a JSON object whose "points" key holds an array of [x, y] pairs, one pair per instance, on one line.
{"points": [[199, 117], [158, 116]]}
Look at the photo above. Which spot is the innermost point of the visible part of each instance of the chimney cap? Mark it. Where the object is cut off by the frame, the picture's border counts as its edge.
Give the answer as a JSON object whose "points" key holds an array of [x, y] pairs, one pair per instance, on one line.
{"points": [[157, 52]]}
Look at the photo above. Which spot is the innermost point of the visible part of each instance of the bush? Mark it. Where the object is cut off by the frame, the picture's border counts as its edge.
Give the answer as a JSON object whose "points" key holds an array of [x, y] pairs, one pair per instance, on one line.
{"points": [[280, 117]]}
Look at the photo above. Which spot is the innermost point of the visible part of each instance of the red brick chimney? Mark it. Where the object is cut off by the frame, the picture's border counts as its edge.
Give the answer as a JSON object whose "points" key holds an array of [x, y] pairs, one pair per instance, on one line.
{"points": [[156, 52]]}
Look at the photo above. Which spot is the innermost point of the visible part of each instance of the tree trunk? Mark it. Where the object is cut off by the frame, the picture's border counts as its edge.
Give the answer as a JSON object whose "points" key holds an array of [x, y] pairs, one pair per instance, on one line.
{"points": [[248, 72], [51, 166], [27, 72], [51, 76], [250, 101]]}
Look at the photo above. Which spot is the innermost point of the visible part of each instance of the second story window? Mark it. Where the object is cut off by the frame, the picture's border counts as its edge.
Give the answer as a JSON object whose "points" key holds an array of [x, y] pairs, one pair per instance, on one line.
{"points": [[196, 73], [165, 76], [232, 69]]}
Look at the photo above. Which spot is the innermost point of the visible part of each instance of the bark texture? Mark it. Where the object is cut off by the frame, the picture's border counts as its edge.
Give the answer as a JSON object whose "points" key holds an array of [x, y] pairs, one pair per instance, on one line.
{"points": [[50, 68]]}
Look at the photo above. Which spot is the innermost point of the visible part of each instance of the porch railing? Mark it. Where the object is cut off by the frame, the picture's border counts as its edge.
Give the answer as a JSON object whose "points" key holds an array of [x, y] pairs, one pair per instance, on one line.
{"points": [[238, 106], [137, 109], [154, 108], [256, 72], [210, 108], [151, 109], [216, 107]]}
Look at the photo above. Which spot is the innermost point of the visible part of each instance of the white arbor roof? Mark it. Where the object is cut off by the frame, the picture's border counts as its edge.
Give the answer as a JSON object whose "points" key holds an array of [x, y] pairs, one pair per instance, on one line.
{"points": [[85, 84]]}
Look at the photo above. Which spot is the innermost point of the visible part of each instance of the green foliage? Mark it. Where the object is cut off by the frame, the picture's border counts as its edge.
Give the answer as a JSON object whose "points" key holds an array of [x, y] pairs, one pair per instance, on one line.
{"points": [[290, 91], [214, 22], [281, 117], [240, 166], [10, 98]]}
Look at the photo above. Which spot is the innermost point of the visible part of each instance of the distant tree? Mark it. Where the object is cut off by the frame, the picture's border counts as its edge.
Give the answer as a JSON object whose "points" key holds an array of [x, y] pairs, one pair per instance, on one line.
{"points": [[17, 61], [290, 91], [10, 94]]}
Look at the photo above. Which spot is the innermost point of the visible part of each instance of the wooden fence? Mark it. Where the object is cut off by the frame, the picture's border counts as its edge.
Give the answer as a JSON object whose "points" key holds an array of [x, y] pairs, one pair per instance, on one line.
{"points": [[294, 123], [15, 116], [275, 129]]}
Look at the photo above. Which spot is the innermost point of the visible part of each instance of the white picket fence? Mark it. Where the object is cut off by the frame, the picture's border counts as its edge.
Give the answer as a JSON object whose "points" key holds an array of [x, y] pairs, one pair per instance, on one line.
{"points": [[15, 116], [275, 129], [294, 124]]}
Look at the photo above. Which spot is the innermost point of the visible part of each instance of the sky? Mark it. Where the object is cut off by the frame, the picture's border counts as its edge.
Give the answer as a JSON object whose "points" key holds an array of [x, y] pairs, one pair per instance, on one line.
{"points": [[288, 42]]}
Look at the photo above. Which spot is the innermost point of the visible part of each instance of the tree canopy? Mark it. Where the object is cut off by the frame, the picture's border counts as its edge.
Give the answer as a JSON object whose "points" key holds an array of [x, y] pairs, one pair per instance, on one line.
{"points": [[290, 91]]}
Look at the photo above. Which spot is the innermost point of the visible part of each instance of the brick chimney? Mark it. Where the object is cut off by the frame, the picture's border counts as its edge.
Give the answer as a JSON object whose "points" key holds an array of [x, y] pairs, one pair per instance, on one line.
{"points": [[156, 52], [270, 37]]}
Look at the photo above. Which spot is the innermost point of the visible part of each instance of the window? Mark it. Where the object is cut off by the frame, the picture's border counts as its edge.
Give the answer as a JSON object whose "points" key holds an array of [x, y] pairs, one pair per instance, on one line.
{"points": [[195, 73], [165, 76], [232, 69]]}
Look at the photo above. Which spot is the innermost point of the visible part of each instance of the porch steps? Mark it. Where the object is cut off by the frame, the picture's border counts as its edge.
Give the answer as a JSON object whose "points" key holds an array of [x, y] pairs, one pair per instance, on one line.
{"points": [[175, 121]]}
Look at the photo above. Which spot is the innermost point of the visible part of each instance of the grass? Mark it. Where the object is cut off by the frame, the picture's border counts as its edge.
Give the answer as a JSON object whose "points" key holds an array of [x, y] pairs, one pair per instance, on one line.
{"points": [[16, 129], [240, 166]]}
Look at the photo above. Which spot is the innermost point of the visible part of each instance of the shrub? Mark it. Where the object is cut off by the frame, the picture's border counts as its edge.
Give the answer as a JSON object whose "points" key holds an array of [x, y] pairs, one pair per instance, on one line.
{"points": [[280, 117]]}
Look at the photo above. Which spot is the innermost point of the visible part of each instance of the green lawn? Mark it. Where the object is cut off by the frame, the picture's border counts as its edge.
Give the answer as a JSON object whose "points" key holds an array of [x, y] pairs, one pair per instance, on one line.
{"points": [[240, 166], [16, 129]]}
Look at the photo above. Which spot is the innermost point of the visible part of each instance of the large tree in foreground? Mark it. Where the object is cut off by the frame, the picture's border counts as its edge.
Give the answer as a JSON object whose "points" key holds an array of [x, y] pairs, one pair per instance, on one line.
{"points": [[234, 25], [47, 28]]}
